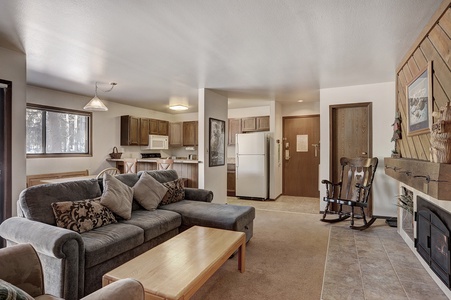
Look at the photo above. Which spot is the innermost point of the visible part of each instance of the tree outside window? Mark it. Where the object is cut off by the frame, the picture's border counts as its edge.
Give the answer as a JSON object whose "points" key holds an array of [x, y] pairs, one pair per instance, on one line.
{"points": [[53, 131]]}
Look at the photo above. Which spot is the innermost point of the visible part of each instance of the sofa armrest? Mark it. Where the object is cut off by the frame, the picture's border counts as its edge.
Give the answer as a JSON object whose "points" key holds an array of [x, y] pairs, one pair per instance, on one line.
{"points": [[61, 251], [198, 195], [46, 239], [127, 288]]}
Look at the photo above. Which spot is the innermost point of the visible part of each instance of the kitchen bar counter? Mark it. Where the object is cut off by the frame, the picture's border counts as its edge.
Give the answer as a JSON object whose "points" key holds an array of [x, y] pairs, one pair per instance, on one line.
{"points": [[185, 168], [144, 160]]}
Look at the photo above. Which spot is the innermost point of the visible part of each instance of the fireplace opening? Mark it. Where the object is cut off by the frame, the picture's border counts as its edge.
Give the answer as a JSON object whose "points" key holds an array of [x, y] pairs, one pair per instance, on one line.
{"points": [[432, 240]]}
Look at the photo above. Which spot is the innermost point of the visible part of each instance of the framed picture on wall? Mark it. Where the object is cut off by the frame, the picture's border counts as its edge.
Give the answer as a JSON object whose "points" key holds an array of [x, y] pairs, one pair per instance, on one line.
{"points": [[419, 102], [216, 144]]}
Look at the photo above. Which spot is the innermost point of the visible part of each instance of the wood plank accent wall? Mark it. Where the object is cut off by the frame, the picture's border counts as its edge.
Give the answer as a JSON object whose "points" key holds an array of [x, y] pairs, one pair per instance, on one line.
{"points": [[434, 44]]}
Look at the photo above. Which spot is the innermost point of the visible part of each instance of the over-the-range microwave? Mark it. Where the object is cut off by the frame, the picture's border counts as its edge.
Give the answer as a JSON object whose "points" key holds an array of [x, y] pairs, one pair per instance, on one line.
{"points": [[158, 142]]}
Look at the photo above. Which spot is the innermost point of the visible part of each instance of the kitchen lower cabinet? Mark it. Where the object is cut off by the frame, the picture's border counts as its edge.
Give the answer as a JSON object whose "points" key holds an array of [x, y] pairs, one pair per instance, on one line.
{"points": [[231, 183]]}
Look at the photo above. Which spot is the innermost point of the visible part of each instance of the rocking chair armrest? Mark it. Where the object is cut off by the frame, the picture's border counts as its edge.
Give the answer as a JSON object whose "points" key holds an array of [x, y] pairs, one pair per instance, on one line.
{"points": [[363, 187], [324, 181]]}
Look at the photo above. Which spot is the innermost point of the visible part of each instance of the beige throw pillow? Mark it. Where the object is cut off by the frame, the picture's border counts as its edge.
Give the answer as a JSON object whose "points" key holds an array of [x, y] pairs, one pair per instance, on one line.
{"points": [[117, 196], [148, 191]]}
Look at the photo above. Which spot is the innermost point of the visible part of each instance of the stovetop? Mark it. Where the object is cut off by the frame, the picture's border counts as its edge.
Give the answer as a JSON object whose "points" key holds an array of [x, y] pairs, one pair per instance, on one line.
{"points": [[150, 155]]}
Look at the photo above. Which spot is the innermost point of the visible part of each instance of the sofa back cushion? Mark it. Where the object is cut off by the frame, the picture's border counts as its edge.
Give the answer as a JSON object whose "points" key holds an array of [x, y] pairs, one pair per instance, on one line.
{"points": [[36, 201], [162, 175]]}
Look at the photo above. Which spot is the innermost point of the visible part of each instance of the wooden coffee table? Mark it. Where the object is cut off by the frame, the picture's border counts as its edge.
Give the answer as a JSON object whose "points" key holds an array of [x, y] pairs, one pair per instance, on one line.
{"points": [[177, 268]]}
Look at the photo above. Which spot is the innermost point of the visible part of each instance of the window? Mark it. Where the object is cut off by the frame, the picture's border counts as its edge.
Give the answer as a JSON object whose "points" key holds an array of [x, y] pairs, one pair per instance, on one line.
{"points": [[53, 131]]}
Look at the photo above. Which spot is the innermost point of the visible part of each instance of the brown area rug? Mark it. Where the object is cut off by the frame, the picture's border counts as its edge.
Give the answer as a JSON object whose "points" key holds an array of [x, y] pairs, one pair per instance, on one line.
{"points": [[284, 260]]}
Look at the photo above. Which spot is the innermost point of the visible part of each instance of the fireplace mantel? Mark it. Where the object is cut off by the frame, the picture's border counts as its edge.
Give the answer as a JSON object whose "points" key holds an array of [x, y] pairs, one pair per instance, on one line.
{"points": [[433, 179]]}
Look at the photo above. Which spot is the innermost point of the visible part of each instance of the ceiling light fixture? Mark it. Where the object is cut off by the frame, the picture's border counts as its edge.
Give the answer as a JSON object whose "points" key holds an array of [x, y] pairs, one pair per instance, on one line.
{"points": [[300, 100], [96, 104], [178, 103]]}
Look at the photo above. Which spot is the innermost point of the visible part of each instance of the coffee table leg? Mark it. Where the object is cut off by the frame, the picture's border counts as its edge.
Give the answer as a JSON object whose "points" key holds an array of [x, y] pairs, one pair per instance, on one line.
{"points": [[242, 257]]}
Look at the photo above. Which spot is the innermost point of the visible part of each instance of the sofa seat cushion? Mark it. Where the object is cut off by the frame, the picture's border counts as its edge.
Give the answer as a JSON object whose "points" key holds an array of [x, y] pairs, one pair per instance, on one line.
{"points": [[155, 222], [106, 242], [231, 217]]}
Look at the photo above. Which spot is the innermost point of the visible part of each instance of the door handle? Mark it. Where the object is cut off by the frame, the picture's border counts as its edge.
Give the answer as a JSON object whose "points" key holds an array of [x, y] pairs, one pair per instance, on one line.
{"points": [[316, 149]]}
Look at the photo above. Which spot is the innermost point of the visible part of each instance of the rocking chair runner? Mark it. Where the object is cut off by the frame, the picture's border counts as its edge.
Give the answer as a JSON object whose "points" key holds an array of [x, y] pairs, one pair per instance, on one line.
{"points": [[353, 189]]}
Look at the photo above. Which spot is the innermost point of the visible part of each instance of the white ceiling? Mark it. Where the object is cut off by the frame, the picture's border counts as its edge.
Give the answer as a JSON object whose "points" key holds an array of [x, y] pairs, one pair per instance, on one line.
{"points": [[253, 50]]}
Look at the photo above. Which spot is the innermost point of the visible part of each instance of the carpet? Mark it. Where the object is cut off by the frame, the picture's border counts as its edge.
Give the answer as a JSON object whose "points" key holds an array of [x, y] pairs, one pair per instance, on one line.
{"points": [[285, 259]]}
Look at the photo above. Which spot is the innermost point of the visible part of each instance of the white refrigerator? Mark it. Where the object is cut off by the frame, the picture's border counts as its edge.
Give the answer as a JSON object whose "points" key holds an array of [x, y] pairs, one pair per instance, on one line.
{"points": [[252, 167]]}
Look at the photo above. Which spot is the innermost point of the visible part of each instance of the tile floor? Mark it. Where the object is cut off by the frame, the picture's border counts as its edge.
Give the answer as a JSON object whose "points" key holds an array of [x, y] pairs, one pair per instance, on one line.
{"points": [[363, 265], [374, 264]]}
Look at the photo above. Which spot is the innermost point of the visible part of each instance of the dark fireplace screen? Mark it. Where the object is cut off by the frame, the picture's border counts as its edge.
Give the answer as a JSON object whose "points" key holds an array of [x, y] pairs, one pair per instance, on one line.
{"points": [[433, 238]]}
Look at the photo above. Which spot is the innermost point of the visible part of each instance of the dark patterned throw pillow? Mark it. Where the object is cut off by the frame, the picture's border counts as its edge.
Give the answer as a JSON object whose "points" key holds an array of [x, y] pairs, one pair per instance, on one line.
{"points": [[175, 193], [83, 215], [9, 291]]}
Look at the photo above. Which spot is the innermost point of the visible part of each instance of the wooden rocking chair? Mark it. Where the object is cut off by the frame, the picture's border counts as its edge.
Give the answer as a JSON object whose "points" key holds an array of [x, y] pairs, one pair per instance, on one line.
{"points": [[353, 189]]}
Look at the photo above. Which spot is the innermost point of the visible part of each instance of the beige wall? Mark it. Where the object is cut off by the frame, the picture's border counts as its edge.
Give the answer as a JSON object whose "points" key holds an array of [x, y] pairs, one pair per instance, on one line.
{"points": [[212, 105], [13, 68]]}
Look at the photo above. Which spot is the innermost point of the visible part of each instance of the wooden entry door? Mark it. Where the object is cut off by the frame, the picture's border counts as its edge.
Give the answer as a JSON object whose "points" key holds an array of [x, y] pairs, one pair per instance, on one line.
{"points": [[300, 155], [350, 135]]}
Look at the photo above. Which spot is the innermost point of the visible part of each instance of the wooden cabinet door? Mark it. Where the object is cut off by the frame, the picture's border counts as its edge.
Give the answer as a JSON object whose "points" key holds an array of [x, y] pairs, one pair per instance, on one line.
{"points": [[163, 127], [248, 124], [234, 128], [262, 123], [231, 184], [129, 131], [144, 131], [175, 134], [190, 133], [153, 126]]}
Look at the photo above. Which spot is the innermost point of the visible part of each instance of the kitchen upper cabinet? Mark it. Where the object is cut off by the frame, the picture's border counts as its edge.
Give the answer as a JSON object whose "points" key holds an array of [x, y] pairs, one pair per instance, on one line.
{"points": [[158, 127], [144, 131], [190, 133], [163, 127], [262, 123], [135, 131], [175, 134], [130, 135], [234, 128], [255, 124]]}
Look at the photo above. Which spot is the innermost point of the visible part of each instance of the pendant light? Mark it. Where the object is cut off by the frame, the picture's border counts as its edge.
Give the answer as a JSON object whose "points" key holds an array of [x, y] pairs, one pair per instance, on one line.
{"points": [[96, 104]]}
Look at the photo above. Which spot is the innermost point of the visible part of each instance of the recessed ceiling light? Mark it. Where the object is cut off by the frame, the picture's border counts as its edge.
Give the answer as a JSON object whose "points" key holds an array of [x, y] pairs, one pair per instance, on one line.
{"points": [[300, 100]]}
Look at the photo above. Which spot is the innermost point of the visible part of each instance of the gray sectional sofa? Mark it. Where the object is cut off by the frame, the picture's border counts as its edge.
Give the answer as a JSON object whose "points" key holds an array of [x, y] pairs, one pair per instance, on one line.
{"points": [[74, 263]]}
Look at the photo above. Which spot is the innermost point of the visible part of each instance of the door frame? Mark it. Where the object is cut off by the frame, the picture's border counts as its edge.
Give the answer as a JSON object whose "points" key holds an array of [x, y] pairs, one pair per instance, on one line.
{"points": [[283, 149], [369, 106], [6, 155]]}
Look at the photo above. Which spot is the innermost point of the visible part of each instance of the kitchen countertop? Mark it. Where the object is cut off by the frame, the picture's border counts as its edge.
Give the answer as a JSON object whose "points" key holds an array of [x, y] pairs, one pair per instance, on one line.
{"points": [[143, 160]]}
